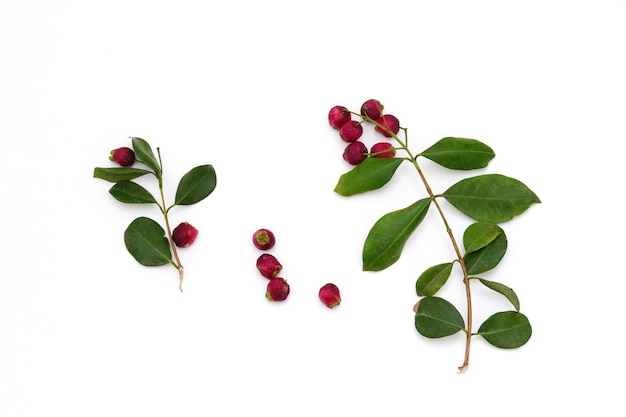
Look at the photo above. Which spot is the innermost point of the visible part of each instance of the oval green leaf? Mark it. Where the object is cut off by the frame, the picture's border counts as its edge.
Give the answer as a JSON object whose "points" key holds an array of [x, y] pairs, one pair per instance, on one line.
{"points": [[431, 280], [504, 290], [118, 174], [131, 193], [371, 174], [460, 153], [507, 329], [386, 239], [491, 197], [196, 185], [145, 240], [437, 317], [480, 234], [486, 258], [144, 154]]}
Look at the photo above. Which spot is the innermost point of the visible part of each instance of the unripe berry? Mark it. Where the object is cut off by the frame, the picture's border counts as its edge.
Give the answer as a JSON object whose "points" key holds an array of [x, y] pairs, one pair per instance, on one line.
{"points": [[390, 122], [277, 289], [329, 295], [184, 235], [337, 116], [372, 109], [382, 147], [123, 156], [268, 265], [355, 153], [351, 131], [263, 239]]}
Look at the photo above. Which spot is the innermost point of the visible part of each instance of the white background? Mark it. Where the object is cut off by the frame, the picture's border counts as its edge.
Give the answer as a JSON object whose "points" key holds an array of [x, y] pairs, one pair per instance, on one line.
{"points": [[246, 86]]}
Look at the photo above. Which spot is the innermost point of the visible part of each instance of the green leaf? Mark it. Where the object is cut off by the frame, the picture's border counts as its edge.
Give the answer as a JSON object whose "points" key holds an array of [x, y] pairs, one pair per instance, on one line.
{"points": [[504, 290], [431, 280], [196, 185], [131, 192], [491, 197], [460, 153], [386, 239], [144, 154], [437, 317], [371, 174], [507, 330], [486, 258], [145, 240], [118, 174], [480, 234]]}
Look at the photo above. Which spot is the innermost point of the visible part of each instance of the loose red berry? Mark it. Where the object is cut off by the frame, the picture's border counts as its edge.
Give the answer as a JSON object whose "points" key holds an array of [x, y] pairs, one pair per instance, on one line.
{"points": [[372, 109], [263, 239], [338, 115], [123, 156], [351, 131], [277, 289], [184, 235], [268, 265], [330, 296], [388, 123], [382, 147], [355, 153]]}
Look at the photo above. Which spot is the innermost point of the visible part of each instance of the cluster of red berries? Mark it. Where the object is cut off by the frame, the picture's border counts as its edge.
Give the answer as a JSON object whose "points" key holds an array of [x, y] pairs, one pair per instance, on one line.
{"points": [[388, 125], [184, 234], [269, 267]]}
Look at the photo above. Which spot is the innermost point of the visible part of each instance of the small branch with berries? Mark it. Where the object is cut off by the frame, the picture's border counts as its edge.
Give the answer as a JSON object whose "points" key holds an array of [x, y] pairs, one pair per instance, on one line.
{"points": [[144, 238], [488, 199]]}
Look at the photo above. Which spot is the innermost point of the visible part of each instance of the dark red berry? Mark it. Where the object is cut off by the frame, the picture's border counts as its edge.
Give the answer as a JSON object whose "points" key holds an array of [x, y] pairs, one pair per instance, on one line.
{"points": [[277, 289], [351, 131], [337, 116], [329, 295], [388, 123], [123, 156], [355, 153], [372, 109], [382, 147], [184, 235], [263, 239], [268, 265]]}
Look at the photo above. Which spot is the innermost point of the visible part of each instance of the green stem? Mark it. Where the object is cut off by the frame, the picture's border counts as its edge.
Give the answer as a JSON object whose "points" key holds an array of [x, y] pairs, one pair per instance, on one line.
{"points": [[178, 265]]}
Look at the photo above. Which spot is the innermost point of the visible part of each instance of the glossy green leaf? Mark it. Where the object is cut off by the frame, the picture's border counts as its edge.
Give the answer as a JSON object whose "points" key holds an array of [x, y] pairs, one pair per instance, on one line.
{"points": [[118, 174], [131, 192], [460, 153], [504, 290], [507, 329], [145, 240], [196, 185], [386, 239], [144, 153], [431, 280], [486, 258], [480, 234], [437, 317], [491, 197], [371, 174]]}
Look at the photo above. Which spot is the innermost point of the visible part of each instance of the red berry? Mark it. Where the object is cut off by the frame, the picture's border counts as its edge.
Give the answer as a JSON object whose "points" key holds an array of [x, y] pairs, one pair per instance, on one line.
{"points": [[184, 235], [355, 153], [277, 289], [388, 123], [268, 265], [337, 116], [123, 156], [351, 131], [329, 295], [263, 239], [382, 147], [372, 109]]}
